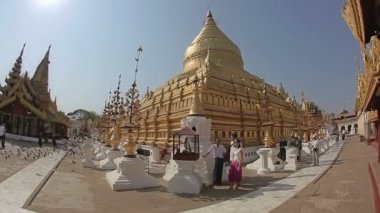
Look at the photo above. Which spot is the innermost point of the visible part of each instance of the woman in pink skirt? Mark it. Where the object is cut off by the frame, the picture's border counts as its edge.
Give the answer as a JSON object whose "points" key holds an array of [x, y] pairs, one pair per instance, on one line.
{"points": [[236, 158]]}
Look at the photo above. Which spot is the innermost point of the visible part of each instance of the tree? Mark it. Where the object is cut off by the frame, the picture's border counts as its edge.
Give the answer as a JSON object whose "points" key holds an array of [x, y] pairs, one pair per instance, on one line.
{"points": [[90, 115], [314, 108], [81, 114], [344, 111]]}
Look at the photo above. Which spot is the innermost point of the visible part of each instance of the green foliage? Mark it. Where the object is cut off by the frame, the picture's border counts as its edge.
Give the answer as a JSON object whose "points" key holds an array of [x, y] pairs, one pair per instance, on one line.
{"points": [[314, 108], [81, 114], [91, 115]]}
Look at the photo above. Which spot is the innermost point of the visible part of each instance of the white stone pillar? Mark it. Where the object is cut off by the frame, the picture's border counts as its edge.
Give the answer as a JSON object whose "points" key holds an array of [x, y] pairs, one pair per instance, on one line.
{"points": [[291, 159], [87, 152], [263, 152], [203, 166], [102, 154]]}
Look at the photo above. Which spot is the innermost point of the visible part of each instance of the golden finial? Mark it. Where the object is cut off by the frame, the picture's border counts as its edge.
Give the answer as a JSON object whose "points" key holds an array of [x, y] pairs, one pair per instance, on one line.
{"points": [[209, 14]]}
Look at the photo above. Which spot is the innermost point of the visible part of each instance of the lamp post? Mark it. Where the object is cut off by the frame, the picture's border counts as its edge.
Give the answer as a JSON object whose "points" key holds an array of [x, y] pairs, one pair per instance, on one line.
{"points": [[132, 105]]}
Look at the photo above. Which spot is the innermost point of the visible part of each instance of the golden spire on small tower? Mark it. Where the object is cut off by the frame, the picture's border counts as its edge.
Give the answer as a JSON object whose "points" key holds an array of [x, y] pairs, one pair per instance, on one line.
{"points": [[196, 108]]}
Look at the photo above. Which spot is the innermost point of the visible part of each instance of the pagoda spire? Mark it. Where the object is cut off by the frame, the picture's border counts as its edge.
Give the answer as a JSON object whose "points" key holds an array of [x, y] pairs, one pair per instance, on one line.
{"points": [[209, 14], [42, 71], [40, 79], [17, 66], [14, 74]]}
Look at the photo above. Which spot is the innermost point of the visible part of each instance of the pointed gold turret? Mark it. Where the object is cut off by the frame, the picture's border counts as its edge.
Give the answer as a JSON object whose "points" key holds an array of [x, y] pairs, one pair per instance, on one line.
{"points": [[221, 47], [40, 79], [16, 70], [196, 108], [42, 71]]}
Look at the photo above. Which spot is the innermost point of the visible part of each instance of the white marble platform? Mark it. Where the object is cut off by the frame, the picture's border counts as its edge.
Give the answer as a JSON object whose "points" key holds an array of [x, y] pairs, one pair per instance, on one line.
{"points": [[269, 197], [19, 189]]}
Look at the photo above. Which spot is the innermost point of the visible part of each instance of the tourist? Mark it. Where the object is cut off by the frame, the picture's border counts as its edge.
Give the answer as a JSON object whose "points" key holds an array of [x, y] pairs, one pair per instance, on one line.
{"points": [[40, 138], [2, 135], [217, 151], [283, 144], [299, 146], [236, 170], [343, 135], [315, 151], [233, 140]]}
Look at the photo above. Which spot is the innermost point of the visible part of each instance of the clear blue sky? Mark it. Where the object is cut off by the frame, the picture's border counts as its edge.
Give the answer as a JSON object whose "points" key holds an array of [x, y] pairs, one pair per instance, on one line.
{"points": [[306, 45]]}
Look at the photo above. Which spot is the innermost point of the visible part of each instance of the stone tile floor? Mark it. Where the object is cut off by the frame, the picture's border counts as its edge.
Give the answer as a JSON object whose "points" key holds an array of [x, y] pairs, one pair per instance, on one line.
{"points": [[269, 197], [15, 191]]}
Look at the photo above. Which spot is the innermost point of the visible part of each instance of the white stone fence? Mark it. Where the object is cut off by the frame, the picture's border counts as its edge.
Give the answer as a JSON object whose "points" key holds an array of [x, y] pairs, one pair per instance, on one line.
{"points": [[20, 137], [250, 154]]}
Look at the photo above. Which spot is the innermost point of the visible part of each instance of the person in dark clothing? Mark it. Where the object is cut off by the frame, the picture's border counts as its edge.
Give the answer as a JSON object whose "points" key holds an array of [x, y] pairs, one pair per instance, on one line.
{"points": [[217, 150], [2, 135], [40, 139], [283, 145], [299, 146]]}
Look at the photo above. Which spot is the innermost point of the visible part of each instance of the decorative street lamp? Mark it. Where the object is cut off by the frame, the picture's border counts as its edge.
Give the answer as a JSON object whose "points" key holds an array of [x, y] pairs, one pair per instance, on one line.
{"points": [[269, 141], [132, 105]]}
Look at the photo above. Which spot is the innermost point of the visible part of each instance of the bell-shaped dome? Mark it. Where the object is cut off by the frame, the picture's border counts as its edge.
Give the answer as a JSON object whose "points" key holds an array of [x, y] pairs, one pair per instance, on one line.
{"points": [[211, 40]]}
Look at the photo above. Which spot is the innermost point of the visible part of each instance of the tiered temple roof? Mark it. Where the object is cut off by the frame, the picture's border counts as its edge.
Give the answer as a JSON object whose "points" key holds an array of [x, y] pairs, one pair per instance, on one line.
{"points": [[31, 94]]}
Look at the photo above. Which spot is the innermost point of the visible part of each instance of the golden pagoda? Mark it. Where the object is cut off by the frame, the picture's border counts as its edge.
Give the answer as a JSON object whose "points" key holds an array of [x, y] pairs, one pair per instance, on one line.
{"points": [[25, 104], [234, 99]]}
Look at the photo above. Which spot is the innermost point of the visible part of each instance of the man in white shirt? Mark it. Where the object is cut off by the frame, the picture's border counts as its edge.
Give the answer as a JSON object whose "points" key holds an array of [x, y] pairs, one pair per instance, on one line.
{"points": [[315, 151], [217, 151], [2, 135]]}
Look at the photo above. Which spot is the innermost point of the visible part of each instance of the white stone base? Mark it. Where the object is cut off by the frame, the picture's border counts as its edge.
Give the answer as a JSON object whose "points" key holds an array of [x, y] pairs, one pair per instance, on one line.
{"points": [[108, 163], [263, 159], [325, 144], [130, 174], [88, 149], [306, 147], [102, 154], [291, 159], [272, 158], [226, 170], [203, 166], [331, 142], [185, 181], [88, 163], [171, 170]]}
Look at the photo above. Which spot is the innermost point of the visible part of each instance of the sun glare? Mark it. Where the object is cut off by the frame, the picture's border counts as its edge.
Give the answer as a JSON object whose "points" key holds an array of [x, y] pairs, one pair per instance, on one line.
{"points": [[48, 3]]}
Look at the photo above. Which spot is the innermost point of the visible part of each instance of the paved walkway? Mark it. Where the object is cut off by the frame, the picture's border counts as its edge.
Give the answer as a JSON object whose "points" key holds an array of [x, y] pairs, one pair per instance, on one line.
{"points": [[269, 197], [19, 189], [345, 188]]}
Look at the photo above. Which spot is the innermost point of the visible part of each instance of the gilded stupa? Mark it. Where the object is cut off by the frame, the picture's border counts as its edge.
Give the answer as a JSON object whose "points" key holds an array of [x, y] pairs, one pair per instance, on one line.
{"points": [[234, 99]]}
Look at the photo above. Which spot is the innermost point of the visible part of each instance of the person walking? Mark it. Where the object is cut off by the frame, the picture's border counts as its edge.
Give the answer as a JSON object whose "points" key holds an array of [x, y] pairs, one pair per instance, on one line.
{"points": [[343, 134], [315, 151], [283, 145], [2, 135], [217, 151], [236, 171], [299, 146]]}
